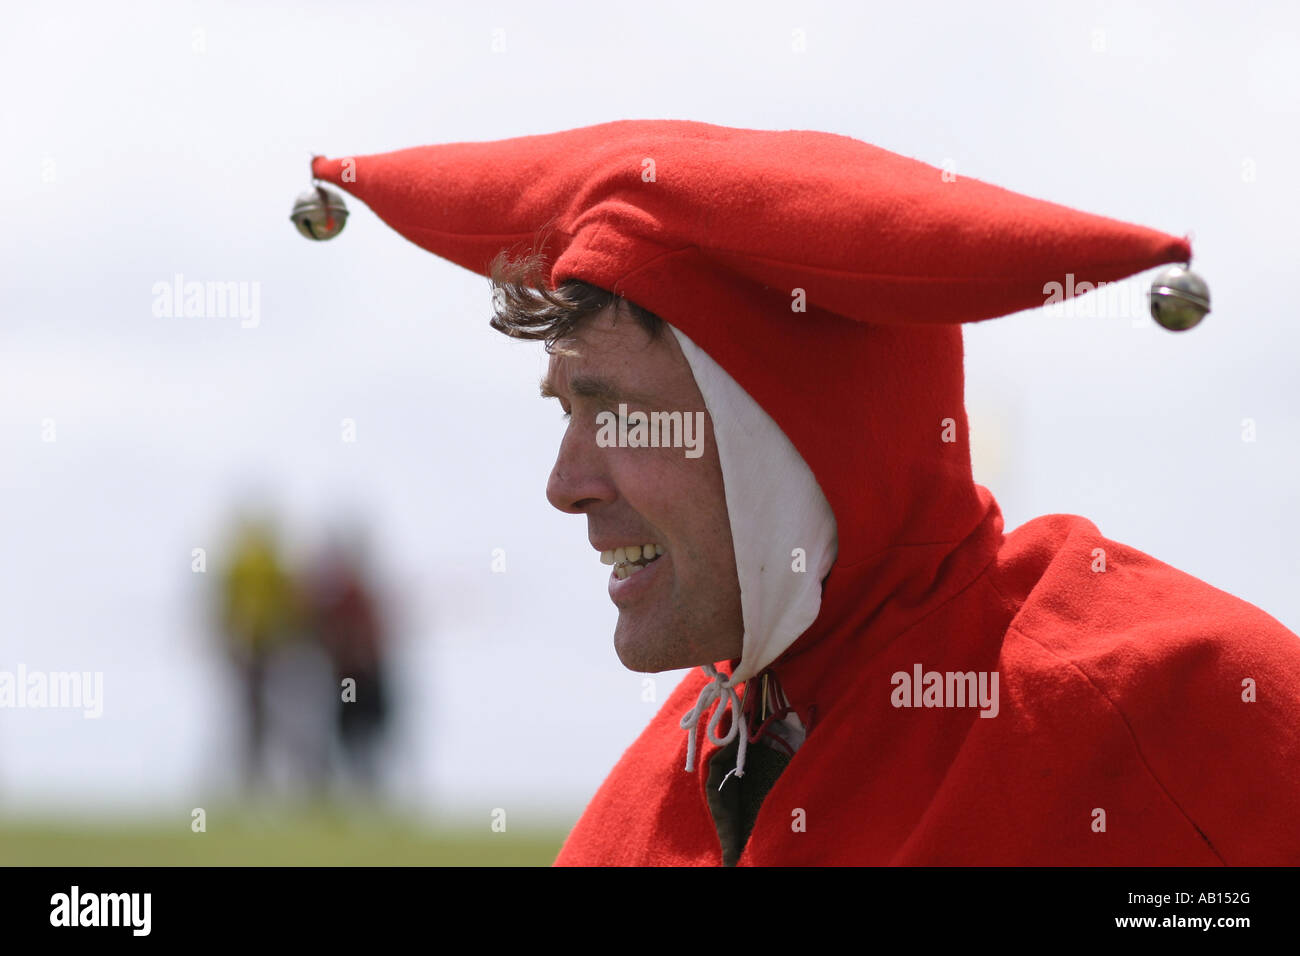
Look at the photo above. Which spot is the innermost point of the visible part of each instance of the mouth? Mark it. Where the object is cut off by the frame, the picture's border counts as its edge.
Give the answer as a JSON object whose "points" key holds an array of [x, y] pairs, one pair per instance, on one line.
{"points": [[632, 559]]}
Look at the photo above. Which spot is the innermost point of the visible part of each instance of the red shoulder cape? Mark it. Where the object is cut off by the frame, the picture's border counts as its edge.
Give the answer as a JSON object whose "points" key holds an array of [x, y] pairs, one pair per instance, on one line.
{"points": [[1119, 691]]}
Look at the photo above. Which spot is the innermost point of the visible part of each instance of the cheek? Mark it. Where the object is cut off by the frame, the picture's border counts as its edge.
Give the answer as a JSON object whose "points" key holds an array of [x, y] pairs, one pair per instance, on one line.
{"points": [[680, 497], [652, 480]]}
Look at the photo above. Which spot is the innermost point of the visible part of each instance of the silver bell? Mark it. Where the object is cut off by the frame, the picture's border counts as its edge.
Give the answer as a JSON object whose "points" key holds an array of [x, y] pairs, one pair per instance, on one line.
{"points": [[319, 213], [1179, 298]]}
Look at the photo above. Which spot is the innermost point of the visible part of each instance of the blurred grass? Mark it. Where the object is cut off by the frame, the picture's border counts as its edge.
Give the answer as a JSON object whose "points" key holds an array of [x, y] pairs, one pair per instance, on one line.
{"points": [[244, 837]]}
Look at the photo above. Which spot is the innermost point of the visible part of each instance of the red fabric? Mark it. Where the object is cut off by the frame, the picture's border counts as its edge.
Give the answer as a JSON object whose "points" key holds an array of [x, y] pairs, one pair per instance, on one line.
{"points": [[1118, 690]]}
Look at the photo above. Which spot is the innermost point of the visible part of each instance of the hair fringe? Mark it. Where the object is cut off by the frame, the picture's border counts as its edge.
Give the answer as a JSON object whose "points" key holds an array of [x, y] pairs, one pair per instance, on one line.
{"points": [[526, 307]]}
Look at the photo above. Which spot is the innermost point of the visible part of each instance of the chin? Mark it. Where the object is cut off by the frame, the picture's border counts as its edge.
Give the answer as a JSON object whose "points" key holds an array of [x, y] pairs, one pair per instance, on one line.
{"points": [[635, 658], [638, 653], [655, 645]]}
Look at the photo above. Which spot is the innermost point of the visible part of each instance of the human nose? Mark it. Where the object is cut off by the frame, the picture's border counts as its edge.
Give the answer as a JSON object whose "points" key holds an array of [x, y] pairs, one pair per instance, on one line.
{"points": [[579, 480]]}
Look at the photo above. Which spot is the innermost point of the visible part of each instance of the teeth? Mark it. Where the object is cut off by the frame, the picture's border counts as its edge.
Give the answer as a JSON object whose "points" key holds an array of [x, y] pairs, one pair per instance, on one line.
{"points": [[624, 559]]}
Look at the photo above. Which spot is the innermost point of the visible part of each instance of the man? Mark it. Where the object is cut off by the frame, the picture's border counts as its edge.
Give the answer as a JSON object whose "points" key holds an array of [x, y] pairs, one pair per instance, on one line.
{"points": [[344, 617], [258, 613], [886, 677]]}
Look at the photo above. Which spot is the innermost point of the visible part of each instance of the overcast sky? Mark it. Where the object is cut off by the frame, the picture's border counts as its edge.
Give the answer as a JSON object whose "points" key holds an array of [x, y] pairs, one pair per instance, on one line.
{"points": [[143, 141]]}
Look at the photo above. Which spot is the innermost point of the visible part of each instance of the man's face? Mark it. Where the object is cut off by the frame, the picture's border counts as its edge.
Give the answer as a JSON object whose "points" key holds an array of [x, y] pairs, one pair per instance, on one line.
{"points": [[683, 608]]}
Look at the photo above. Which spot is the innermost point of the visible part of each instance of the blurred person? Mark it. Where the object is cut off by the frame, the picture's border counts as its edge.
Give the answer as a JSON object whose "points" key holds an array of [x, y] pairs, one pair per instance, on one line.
{"points": [[919, 687], [345, 619], [258, 615]]}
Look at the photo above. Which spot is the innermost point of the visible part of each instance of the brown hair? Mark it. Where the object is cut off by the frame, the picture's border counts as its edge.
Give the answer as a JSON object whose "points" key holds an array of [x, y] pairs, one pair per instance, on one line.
{"points": [[524, 308]]}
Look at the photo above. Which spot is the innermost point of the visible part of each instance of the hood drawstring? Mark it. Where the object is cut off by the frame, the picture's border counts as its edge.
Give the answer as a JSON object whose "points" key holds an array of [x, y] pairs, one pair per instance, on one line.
{"points": [[770, 713], [711, 691]]}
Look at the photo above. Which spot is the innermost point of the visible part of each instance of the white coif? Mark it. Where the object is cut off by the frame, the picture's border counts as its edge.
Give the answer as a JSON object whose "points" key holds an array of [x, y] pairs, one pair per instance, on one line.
{"points": [[774, 505]]}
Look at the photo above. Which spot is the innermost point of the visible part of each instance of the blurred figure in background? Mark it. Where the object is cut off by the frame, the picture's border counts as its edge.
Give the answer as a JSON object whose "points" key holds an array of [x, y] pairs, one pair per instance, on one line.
{"points": [[258, 613], [345, 618]]}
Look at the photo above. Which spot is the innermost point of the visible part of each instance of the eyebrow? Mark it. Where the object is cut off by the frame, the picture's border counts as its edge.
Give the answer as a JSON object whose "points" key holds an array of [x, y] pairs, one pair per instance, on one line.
{"points": [[591, 386]]}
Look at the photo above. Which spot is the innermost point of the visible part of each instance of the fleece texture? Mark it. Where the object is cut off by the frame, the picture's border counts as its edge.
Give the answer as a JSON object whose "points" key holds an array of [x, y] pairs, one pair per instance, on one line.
{"points": [[1143, 717]]}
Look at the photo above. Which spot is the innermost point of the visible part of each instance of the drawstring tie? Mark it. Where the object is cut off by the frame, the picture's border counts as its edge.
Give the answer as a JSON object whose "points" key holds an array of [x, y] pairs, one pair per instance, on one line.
{"points": [[710, 693]]}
